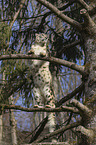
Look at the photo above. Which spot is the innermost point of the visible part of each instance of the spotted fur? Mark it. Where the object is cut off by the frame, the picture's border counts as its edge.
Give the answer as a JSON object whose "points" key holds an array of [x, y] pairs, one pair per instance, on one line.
{"points": [[42, 78]]}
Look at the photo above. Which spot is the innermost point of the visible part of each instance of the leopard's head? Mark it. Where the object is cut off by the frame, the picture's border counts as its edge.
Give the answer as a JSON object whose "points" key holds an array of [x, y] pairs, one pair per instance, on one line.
{"points": [[41, 39]]}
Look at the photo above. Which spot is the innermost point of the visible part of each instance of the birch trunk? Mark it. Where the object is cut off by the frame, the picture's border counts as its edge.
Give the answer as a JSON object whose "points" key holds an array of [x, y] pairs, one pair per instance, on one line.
{"points": [[13, 124]]}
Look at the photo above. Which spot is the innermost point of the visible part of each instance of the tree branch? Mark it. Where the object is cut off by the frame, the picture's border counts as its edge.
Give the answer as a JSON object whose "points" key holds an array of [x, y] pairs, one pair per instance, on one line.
{"points": [[71, 65], [65, 18], [59, 109], [91, 9], [63, 129], [84, 4], [17, 13], [69, 46], [89, 133], [41, 127], [50, 12], [70, 95], [84, 110], [89, 24], [67, 5]]}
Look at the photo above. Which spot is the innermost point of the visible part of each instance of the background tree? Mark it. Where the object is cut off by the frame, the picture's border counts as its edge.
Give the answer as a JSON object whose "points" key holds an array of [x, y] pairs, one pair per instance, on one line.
{"points": [[72, 39]]}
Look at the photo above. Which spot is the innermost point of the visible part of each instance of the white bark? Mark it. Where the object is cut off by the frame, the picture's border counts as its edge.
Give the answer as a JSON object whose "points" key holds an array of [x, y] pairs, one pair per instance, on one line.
{"points": [[13, 124], [1, 128]]}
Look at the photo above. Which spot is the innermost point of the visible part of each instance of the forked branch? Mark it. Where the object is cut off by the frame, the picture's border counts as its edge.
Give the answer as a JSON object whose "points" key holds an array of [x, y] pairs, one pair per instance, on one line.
{"points": [[62, 16], [84, 110]]}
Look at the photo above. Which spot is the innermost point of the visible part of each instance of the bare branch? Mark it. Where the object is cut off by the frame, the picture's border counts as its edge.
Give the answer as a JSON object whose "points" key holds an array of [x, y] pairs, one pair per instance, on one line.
{"points": [[59, 109], [89, 24], [69, 46], [70, 95], [86, 16], [82, 108], [17, 13], [38, 129], [71, 65], [50, 12], [65, 18], [63, 129], [91, 9], [67, 5], [87, 132], [84, 4]]}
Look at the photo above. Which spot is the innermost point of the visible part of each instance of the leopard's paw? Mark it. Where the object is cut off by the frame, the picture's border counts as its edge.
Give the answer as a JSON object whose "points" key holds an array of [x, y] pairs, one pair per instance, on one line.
{"points": [[47, 106], [31, 52], [36, 106]]}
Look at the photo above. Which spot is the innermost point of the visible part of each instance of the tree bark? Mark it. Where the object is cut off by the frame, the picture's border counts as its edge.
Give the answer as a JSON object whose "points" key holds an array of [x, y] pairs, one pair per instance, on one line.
{"points": [[88, 129]]}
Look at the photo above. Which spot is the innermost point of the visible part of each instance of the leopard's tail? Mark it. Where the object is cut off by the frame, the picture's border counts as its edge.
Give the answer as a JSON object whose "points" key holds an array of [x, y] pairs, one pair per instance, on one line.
{"points": [[52, 118]]}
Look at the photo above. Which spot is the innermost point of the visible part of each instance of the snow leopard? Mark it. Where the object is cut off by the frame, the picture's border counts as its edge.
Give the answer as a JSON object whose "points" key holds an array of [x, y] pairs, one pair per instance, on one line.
{"points": [[42, 78]]}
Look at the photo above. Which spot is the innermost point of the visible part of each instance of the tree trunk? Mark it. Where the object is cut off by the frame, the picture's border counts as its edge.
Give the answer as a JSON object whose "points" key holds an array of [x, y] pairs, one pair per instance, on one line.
{"points": [[89, 122], [1, 128], [13, 124]]}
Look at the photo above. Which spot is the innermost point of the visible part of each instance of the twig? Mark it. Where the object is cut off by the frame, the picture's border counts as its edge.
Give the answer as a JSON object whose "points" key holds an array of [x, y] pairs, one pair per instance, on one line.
{"points": [[17, 13]]}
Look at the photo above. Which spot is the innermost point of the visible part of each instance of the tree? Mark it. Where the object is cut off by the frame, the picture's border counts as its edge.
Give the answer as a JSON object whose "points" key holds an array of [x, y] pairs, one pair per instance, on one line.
{"points": [[80, 28]]}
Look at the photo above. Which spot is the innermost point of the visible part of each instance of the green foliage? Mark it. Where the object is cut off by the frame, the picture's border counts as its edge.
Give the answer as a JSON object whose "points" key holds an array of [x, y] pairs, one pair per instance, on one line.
{"points": [[5, 34], [16, 78], [35, 18]]}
